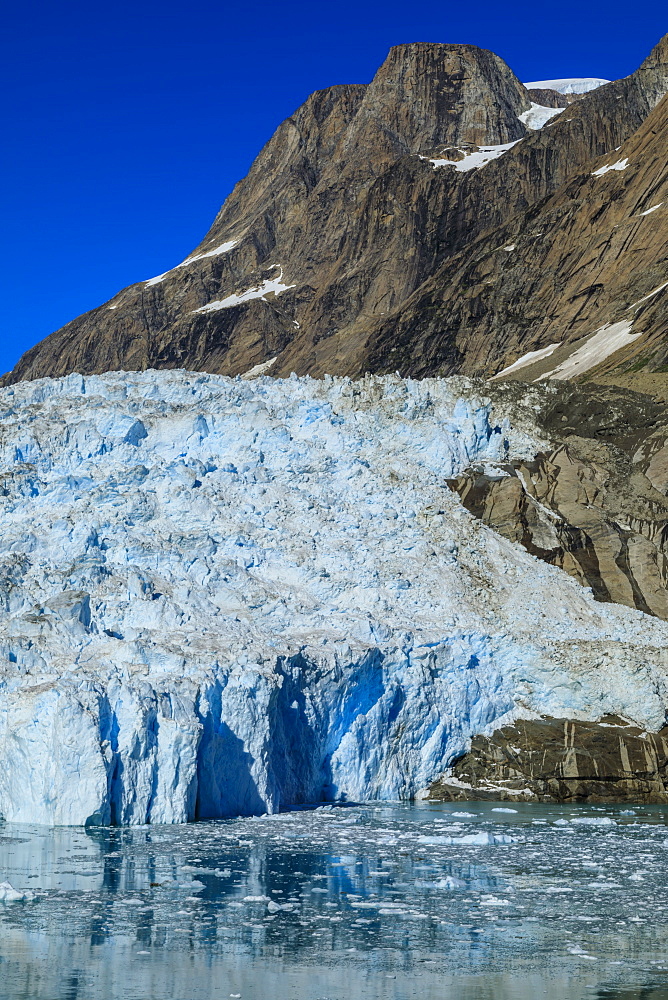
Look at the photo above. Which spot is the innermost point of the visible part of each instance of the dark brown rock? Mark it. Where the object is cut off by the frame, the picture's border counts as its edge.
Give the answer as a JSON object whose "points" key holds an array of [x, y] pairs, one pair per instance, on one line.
{"points": [[393, 263], [595, 504], [548, 98], [583, 258], [561, 760]]}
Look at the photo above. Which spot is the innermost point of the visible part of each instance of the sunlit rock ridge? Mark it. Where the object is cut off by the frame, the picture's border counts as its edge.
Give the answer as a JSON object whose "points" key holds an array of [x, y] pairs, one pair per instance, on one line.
{"points": [[225, 596], [440, 220]]}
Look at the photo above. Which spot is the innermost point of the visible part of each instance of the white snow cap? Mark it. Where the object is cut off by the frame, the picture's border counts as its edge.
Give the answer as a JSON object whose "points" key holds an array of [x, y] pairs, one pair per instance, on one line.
{"points": [[569, 85]]}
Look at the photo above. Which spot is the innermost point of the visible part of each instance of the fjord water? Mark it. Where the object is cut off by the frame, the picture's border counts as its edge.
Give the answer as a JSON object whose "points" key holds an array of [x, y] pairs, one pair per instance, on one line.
{"points": [[467, 901]]}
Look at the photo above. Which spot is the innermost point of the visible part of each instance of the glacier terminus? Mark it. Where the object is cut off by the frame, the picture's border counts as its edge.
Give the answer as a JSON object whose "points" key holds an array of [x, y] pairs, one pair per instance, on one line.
{"points": [[224, 596]]}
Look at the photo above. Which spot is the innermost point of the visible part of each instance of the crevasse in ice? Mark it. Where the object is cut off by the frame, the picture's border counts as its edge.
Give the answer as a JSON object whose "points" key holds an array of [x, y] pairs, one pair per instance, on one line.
{"points": [[223, 597]]}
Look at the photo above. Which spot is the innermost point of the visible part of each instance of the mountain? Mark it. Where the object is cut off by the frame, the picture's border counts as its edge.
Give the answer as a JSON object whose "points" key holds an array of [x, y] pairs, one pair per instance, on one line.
{"points": [[580, 277], [437, 220], [225, 596]]}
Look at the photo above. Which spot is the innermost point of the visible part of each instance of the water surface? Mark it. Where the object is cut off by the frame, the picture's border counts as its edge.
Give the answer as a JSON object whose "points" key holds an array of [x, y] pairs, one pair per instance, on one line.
{"points": [[473, 901]]}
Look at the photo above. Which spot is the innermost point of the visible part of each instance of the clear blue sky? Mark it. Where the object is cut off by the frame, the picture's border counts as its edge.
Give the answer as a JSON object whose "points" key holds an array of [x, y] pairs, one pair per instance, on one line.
{"points": [[127, 124]]}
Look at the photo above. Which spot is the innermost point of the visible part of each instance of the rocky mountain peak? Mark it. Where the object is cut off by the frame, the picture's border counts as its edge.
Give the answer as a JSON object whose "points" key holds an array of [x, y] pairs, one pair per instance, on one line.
{"points": [[658, 57], [427, 94], [433, 221], [654, 71]]}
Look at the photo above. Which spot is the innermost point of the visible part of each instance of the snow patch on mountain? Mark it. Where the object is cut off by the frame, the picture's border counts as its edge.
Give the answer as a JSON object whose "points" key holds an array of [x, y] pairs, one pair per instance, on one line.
{"points": [[599, 346], [649, 211], [216, 252], [221, 596], [569, 85], [537, 116], [650, 295], [619, 165], [527, 359], [473, 159], [260, 369], [268, 286]]}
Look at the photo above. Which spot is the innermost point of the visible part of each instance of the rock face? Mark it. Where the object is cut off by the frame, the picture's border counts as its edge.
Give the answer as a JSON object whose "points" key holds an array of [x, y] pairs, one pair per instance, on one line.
{"points": [[548, 98], [224, 596], [561, 760], [594, 503], [417, 224], [564, 508], [582, 271]]}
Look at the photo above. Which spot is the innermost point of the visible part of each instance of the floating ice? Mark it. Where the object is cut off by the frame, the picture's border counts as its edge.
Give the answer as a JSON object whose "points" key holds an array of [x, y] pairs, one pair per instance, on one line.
{"points": [[593, 821], [482, 839], [8, 894]]}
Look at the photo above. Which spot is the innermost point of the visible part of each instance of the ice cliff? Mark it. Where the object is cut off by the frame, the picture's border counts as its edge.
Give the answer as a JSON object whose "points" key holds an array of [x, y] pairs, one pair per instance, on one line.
{"points": [[223, 596]]}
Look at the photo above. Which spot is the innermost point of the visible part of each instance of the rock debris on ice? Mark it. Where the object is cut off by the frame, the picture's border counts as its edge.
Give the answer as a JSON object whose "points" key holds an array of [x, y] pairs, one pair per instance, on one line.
{"points": [[223, 596]]}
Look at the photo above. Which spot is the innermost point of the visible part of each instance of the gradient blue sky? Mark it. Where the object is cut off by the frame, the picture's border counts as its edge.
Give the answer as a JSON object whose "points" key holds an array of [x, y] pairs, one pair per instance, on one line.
{"points": [[128, 124]]}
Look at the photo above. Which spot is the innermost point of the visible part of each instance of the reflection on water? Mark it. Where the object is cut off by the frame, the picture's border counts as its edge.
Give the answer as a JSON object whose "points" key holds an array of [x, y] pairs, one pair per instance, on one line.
{"points": [[455, 902]]}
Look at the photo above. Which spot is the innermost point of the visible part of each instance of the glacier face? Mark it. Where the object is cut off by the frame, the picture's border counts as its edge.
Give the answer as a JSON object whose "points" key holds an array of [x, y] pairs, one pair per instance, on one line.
{"points": [[223, 596]]}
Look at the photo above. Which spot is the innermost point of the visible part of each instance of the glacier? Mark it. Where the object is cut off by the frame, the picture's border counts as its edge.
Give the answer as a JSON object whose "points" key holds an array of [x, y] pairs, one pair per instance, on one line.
{"points": [[226, 596]]}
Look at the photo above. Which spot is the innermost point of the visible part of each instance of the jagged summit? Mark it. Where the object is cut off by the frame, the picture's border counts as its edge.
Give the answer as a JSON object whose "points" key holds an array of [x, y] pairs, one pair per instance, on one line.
{"points": [[428, 94], [344, 250]]}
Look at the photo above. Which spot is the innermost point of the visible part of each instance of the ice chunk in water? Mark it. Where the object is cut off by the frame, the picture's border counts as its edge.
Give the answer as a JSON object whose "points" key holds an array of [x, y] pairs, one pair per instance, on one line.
{"points": [[450, 882], [481, 839], [9, 894]]}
